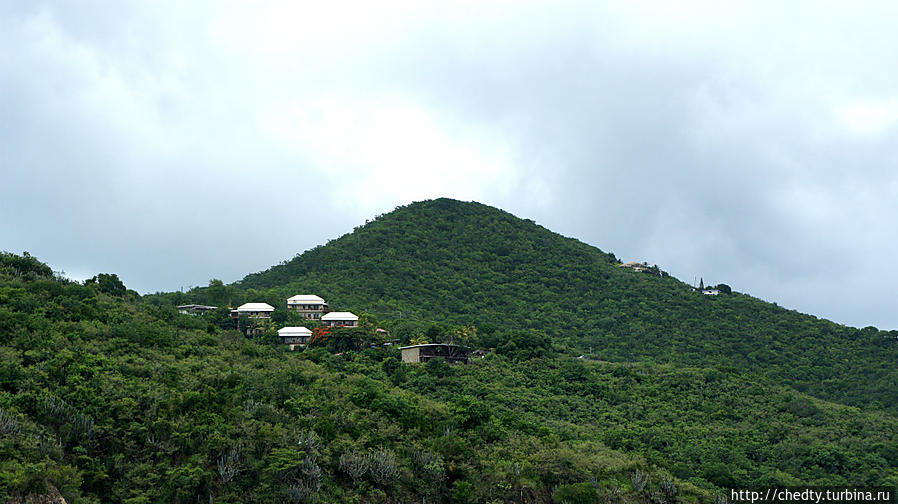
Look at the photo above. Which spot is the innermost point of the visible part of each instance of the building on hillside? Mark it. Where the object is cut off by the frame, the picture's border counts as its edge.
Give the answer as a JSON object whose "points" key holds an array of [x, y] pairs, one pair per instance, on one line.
{"points": [[340, 319], [710, 292], [193, 309], [309, 306], [294, 336], [253, 310], [453, 354], [636, 266]]}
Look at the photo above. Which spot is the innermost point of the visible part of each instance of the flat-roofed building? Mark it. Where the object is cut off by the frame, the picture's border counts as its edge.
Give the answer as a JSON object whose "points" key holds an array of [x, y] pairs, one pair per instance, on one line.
{"points": [[422, 353]]}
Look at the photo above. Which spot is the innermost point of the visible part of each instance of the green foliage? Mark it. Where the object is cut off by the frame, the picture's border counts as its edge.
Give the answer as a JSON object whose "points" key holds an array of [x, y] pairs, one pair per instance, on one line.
{"points": [[724, 288], [24, 265], [576, 493], [107, 283], [531, 292], [105, 396]]}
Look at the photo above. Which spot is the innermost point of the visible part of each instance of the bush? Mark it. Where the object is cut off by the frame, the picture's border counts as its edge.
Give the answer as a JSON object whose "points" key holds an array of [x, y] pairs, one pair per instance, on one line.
{"points": [[577, 493]]}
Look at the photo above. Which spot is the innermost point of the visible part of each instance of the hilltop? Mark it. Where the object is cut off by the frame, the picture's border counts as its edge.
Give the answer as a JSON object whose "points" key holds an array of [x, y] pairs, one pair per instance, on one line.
{"points": [[468, 263], [109, 396]]}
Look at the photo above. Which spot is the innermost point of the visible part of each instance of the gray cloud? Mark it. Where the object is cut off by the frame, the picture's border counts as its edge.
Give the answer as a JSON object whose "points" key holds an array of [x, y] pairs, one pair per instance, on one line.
{"points": [[752, 145]]}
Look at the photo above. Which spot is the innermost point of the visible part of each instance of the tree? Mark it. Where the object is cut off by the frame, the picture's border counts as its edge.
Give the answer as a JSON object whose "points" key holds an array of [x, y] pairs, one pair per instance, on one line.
{"points": [[319, 335], [577, 493], [217, 292], [107, 283], [26, 263], [244, 323]]}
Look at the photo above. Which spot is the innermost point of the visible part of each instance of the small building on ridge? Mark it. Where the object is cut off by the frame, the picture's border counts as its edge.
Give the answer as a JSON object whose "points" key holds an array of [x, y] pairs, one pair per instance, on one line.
{"points": [[453, 354]]}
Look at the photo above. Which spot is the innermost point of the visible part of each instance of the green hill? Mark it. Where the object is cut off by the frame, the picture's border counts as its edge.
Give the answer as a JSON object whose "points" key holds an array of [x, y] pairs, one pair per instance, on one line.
{"points": [[468, 263], [107, 396]]}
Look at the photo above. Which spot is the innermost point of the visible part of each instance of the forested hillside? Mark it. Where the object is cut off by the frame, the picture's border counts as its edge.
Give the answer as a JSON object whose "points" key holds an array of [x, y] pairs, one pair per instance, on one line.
{"points": [[468, 263], [107, 398]]}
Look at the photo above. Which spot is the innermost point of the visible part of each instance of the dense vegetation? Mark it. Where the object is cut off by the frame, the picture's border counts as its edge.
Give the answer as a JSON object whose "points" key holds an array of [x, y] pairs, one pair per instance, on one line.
{"points": [[467, 263], [107, 396]]}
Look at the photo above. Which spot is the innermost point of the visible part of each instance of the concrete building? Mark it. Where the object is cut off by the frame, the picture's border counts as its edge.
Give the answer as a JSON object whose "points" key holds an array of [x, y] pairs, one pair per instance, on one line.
{"points": [[422, 353]]}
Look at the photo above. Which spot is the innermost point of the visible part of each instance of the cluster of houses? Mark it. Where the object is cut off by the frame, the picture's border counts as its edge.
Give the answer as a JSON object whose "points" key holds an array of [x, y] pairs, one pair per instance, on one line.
{"points": [[314, 308], [309, 306]]}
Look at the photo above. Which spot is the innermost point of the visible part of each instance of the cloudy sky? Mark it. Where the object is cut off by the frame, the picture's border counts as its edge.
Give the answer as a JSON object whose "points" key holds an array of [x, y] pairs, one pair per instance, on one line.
{"points": [[754, 144]]}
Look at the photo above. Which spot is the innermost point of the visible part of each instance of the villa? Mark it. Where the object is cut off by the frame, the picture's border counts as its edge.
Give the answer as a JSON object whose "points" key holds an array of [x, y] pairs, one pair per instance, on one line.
{"points": [[340, 319], [294, 336], [253, 310], [309, 306]]}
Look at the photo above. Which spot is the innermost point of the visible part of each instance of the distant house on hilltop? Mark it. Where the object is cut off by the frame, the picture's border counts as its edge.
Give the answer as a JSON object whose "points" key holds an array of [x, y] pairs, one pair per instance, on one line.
{"points": [[643, 267], [423, 353], [253, 310], [636, 266], [193, 309], [309, 306], [294, 336], [340, 319], [713, 291]]}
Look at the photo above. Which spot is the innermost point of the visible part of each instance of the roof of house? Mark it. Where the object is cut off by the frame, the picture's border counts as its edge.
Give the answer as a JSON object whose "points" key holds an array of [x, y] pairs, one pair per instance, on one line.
{"points": [[305, 299], [196, 307], [433, 345], [255, 307], [340, 315], [294, 331]]}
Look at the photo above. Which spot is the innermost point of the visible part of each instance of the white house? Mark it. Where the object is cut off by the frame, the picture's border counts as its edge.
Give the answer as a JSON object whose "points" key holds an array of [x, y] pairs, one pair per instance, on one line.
{"points": [[193, 309], [711, 292], [294, 336], [311, 307], [253, 310], [340, 319]]}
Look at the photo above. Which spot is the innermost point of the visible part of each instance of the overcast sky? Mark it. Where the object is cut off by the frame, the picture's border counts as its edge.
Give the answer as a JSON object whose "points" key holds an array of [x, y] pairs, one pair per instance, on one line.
{"points": [[169, 142]]}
